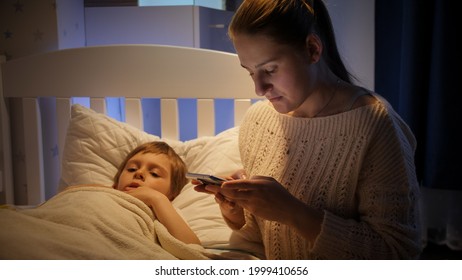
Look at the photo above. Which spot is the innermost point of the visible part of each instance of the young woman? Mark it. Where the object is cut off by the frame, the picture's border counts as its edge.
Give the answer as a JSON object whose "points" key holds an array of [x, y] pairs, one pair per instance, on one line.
{"points": [[328, 166]]}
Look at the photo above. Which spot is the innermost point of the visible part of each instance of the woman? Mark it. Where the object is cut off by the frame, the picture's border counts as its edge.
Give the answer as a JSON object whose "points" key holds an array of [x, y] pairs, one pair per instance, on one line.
{"points": [[329, 166]]}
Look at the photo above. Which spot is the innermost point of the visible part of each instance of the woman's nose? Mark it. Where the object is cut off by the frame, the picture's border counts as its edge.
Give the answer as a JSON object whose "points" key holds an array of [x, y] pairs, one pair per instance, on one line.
{"points": [[261, 86]]}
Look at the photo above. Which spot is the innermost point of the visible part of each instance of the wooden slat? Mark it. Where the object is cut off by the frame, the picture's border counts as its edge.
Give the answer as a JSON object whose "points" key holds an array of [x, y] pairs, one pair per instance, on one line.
{"points": [[133, 112], [98, 104], [33, 151], [63, 111], [169, 119], [240, 107], [205, 117]]}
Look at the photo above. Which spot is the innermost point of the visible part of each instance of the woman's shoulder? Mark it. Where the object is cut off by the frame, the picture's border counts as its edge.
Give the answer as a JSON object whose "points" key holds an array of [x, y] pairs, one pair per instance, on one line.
{"points": [[363, 98], [370, 103], [259, 108], [390, 120]]}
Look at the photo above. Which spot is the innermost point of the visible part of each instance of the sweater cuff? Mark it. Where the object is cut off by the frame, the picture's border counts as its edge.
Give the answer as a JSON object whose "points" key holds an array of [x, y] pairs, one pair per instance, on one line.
{"points": [[327, 243]]}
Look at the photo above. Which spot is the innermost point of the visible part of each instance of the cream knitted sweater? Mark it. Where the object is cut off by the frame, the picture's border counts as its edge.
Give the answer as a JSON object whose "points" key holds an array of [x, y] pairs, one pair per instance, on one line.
{"points": [[357, 166]]}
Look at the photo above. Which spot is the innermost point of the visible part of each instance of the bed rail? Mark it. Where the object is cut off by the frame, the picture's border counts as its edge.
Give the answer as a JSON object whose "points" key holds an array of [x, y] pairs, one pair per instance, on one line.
{"points": [[28, 113], [132, 72]]}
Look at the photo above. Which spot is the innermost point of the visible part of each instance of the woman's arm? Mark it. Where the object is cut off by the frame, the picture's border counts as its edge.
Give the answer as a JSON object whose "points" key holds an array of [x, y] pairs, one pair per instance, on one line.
{"points": [[265, 197]]}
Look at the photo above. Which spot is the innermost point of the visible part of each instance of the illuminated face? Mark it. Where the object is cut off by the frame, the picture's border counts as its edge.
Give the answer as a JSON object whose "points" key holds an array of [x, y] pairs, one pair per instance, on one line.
{"points": [[280, 73], [146, 169]]}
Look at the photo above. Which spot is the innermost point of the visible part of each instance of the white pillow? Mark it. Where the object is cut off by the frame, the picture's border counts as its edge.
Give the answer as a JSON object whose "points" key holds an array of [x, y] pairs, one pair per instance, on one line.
{"points": [[96, 144]]}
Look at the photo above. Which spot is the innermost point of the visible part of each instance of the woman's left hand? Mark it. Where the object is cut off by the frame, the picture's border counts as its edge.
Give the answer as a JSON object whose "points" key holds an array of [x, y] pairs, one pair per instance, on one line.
{"points": [[262, 196]]}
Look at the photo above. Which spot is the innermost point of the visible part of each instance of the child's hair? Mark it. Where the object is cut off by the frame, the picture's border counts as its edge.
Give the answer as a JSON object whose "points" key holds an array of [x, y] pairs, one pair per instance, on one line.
{"points": [[289, 22], [178, 167]]}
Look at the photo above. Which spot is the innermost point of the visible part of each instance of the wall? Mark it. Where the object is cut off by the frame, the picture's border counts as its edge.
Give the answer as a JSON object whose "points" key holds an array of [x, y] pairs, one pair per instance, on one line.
{"points": [[71, 24], [140, 25], [353, 22], [187, 26], [27, 27], [216, 4], [31, 26], [354, 27]]}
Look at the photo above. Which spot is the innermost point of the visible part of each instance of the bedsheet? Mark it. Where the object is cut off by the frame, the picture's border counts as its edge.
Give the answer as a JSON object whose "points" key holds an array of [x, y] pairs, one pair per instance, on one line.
{"points": [[89, 222]]}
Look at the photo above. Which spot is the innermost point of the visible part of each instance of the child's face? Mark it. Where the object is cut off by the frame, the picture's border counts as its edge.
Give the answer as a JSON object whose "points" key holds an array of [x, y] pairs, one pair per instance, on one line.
{"points": [[149, 170]]}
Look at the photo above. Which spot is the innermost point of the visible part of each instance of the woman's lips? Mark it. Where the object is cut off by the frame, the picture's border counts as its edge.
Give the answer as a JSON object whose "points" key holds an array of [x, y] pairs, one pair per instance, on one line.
{"points": [[275, 99]]}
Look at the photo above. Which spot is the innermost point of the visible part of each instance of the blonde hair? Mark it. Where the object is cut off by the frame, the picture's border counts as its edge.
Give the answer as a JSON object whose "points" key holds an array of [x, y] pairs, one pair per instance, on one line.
{"points": [[178, 167]]}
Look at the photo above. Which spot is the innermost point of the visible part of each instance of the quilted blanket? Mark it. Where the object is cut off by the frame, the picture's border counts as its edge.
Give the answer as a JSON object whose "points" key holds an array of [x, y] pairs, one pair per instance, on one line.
{"points": [[89, 222]]}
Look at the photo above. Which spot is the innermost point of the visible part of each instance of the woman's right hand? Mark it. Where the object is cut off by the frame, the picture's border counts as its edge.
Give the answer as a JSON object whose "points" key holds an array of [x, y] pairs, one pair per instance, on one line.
{"points": [[233, 213]]}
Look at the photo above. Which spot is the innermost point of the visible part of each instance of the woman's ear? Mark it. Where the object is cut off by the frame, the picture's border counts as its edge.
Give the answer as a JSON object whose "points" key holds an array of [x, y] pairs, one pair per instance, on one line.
{"points": [[314, 47]]}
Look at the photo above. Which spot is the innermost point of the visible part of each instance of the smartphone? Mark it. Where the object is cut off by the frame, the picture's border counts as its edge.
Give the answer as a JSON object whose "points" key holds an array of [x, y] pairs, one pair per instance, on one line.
{"points": [[205, 178]]}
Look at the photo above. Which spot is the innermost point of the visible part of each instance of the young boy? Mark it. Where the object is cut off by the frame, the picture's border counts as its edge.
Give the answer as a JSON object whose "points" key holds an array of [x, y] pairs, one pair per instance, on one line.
{"points": [[154, 173]]}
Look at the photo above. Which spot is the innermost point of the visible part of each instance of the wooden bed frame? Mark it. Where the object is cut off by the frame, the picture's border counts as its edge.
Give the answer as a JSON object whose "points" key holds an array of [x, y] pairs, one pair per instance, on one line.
{"points": [[130, 71]]}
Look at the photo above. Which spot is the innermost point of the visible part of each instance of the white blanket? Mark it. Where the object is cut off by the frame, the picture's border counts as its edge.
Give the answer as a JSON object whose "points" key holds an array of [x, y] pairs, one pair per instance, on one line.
{"points": [[89, 222]]}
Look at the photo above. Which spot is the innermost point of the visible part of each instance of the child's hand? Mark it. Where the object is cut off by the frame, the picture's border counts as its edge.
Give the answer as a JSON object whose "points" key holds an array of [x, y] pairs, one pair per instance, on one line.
{"points": [[149, 196]]}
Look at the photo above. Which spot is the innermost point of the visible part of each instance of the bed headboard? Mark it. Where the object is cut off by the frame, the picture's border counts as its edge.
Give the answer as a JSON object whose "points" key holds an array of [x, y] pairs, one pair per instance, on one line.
{"points": [[131, 71]]}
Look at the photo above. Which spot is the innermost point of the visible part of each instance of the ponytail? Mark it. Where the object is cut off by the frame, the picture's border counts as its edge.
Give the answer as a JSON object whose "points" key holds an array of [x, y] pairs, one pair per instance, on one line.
{"points": [[325, 29]]}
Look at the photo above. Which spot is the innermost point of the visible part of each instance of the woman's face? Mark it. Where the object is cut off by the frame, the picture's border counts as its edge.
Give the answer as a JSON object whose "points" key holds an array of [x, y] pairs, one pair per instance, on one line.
{"points": [[146, 169], [280, 72]]}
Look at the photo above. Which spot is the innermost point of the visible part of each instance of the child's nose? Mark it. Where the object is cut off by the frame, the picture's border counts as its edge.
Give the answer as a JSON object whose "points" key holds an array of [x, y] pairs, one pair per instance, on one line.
{"points": [[139, 175]]}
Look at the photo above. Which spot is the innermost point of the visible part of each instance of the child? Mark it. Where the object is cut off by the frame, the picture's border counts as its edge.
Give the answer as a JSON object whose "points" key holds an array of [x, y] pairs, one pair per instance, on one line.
{"points": [[99, 222], [154, 173]]}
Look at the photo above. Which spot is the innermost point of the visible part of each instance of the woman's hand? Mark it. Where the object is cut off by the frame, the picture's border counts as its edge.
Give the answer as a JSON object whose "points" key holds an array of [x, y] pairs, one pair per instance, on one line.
{"points": [[266, 198], [262, 196], [233, 213]]}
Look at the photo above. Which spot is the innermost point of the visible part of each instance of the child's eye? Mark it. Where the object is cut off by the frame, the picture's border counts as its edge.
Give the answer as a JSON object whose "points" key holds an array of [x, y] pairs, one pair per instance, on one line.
{"points": [[131, 169], [154, 174], [270, 71]]}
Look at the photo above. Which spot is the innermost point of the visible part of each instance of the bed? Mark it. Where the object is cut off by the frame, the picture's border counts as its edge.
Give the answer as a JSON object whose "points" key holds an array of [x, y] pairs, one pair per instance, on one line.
{"points": [[44, 131]]}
